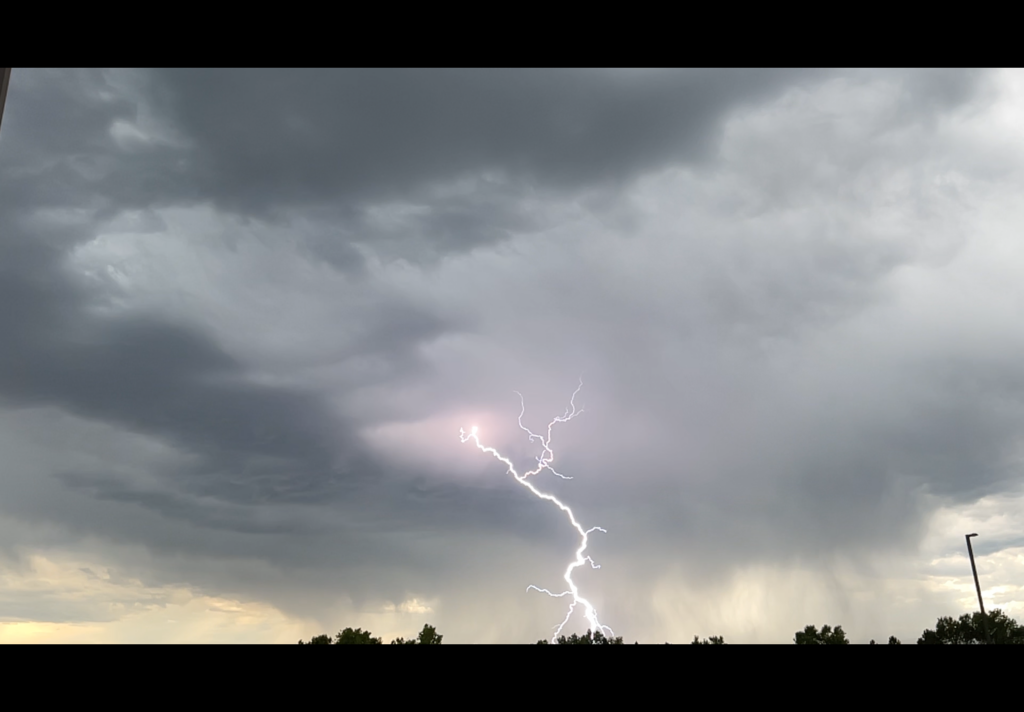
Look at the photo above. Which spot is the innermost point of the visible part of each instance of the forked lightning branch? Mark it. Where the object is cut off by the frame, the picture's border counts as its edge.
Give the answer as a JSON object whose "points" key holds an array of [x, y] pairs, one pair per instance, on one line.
{"points": [[544, 461]]}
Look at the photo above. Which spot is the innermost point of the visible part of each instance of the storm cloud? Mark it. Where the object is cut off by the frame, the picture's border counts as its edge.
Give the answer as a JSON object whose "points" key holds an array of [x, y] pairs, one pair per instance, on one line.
{"points": [[245, 313]]}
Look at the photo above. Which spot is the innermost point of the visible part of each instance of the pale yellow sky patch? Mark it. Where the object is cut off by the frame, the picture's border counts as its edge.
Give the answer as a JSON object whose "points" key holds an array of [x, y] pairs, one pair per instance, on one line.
{"points": [[127, 611]]}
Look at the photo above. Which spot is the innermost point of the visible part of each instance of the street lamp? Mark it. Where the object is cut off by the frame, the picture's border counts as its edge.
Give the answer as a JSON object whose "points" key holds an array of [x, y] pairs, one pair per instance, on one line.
{"points": [[981, 603]]}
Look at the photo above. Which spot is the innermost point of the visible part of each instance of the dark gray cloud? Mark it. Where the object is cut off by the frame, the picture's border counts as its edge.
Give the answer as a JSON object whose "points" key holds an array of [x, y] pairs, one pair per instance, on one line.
{"points": [[156, 377], [263, 138], [145, 372], [190, 510], [265, 142]]}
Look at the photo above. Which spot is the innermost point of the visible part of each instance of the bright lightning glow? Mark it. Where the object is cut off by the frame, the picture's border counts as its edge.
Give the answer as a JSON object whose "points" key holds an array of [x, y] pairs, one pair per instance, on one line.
{"points": [[544, 463]]}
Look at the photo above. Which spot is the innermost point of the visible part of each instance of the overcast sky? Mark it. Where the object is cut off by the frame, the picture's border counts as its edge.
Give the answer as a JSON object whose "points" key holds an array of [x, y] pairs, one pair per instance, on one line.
{"points": [[245, 313]]}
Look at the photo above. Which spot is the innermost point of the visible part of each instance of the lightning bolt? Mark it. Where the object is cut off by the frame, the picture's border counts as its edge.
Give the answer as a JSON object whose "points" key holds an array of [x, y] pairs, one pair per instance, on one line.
{"points": [[544, 461]]}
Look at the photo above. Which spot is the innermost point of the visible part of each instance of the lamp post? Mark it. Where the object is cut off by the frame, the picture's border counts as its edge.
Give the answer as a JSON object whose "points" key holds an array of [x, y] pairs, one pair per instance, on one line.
{"points": [[977, 586]]}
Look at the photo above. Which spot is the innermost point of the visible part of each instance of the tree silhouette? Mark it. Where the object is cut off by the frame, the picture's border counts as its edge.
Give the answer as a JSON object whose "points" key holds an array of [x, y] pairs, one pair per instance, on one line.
{"points": [[827, 636], [969, 629], [591, 638], [318, 640], [358, 636], [428, 636]]}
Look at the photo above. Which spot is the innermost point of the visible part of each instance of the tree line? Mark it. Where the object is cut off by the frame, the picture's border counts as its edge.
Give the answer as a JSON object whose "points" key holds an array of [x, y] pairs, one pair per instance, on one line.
{"points": [[358, 636], [976, 628]]}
